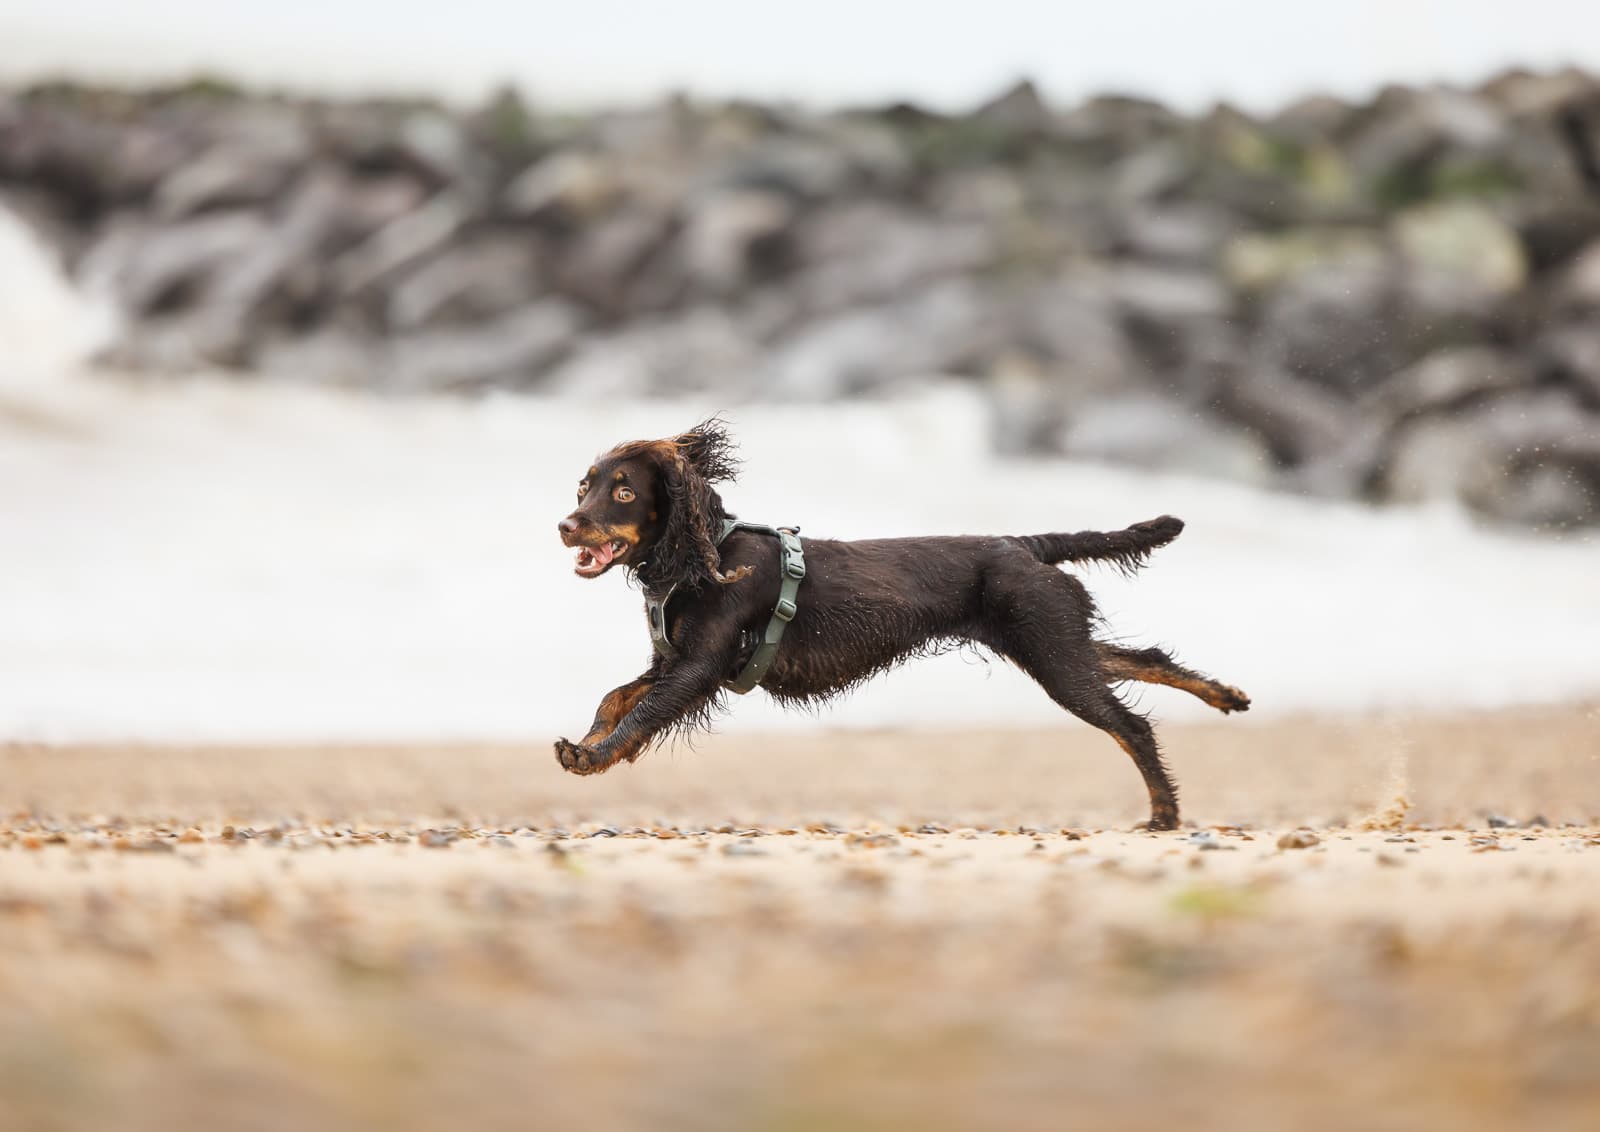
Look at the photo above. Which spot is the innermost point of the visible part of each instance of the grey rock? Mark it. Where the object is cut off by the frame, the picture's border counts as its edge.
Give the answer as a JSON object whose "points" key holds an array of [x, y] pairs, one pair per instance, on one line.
{"points": [[1572, 353], [796, 167], [1151, 172], [512, 350], [1167, 294], [1528, 458], [1303, 424], [1028, 412], [1448, 379], [1351, 327], [1155, 432], [1393, 298], [1461, 245], [872, 252], [1578, 290], [702, 349], [1405, 127], [229, 176], [149, 268], [605, 268], [735, 237], [282, 267], [570, 186], [1072, 322], [1522, 92], [1188, 235], [482, 277], [400, 243], [1020, 109], [942, 329]]}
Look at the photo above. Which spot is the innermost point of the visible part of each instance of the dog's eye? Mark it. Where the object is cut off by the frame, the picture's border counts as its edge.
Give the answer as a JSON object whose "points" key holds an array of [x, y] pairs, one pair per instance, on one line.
{"points": [[623, 494], [583, 489]]}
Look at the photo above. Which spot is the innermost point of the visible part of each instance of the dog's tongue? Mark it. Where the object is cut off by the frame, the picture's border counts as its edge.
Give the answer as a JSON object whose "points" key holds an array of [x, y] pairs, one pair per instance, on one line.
{"points": [[595, 557]]}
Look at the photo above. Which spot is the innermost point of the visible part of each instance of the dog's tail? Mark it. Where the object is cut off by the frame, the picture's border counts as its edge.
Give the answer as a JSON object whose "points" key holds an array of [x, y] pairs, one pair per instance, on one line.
{"points": [[1126, 549]]}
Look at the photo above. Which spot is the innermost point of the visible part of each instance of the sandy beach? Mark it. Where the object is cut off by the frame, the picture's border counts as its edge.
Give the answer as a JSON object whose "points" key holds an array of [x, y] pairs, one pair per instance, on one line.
{"points": [[1378, 923]]}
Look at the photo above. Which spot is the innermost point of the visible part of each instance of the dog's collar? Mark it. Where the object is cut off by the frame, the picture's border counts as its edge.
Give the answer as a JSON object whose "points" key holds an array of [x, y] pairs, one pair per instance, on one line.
{"points": [[792, 569]]}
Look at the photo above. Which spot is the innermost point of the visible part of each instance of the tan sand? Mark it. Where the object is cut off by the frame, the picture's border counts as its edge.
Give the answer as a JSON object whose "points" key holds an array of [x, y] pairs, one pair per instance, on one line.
{"points": [[831, 932]]}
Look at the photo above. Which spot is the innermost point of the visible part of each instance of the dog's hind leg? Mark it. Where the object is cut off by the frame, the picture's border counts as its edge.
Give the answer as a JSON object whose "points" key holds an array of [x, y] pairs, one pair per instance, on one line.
{"points": [[1154, 666], [1039, 618]]}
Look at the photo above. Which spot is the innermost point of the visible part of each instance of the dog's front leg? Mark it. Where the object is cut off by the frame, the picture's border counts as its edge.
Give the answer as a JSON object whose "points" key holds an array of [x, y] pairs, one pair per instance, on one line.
{"points": [[617, 703], [649, 705]]}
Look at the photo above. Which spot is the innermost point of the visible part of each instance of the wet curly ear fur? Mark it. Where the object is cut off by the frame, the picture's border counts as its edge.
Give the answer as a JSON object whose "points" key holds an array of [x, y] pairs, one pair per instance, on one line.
{"points": [[709, 450], [689, 463]]}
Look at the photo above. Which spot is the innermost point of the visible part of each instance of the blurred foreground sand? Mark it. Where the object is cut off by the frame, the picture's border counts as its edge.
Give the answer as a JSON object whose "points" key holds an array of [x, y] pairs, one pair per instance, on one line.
{"points": [[838, 931]]}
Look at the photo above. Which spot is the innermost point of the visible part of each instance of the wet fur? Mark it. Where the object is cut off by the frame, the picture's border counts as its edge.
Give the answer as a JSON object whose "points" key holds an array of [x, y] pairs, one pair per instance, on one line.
{"points": [[865, 607]]}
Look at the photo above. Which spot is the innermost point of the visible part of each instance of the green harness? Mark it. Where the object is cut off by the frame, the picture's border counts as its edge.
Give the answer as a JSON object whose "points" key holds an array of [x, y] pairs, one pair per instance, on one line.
{"points": [[792, 567]]}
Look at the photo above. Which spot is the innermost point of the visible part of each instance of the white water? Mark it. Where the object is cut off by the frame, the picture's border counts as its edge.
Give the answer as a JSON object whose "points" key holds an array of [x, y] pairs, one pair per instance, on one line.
{"points": [[214, 560]]}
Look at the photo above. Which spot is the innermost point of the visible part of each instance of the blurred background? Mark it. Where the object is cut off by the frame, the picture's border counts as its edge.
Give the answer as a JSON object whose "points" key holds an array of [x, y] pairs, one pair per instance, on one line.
{"points": [[312, 314]]}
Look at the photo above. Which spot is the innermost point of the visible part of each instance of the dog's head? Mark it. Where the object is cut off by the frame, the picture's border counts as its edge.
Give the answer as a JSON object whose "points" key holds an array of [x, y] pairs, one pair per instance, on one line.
{"points": [[649, 505]]}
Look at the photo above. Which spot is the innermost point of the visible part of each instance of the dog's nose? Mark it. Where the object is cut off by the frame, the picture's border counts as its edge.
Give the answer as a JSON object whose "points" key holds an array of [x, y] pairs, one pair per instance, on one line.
{"points": [[567, 526]]}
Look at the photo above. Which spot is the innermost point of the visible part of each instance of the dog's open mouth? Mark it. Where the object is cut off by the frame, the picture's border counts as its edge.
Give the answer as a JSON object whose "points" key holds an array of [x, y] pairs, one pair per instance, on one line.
{"points": [[596, 560]]}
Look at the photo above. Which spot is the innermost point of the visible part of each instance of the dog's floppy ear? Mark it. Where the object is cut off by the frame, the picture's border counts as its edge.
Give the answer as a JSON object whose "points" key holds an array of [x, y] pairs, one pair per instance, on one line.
{"points": [[688, 464], [710, 450]]}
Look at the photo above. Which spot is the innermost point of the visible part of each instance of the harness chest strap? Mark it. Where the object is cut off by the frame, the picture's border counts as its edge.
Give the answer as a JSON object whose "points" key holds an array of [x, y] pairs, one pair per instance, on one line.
{"points": [[792, 570]]}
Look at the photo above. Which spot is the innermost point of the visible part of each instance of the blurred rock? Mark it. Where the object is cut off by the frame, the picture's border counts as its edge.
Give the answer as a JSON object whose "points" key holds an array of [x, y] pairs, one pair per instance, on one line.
{"points": [[487, 275], [1532, 459], [736, 237], [401, 242], [943, 329], [603, 267], [1407, 127], [1029, 415], [1464, 245], [872, 251], [281, 270], [1157, 433], [568, 188], [1572, 354], [150, 269], [699, 350], [511, 351], [1391, 299], [1448, 379], [1578, 291], [1302, 424], [1021, 109]]}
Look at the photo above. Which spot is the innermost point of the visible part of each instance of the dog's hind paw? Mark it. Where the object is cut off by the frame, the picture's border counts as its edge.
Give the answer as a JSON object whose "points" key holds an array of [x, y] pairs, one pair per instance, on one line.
{"points": [[1163, 819], [578, 759]]}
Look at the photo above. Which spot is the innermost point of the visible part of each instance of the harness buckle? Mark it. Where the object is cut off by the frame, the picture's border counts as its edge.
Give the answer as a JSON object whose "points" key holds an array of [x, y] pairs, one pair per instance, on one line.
{"points": [[785, 609]]}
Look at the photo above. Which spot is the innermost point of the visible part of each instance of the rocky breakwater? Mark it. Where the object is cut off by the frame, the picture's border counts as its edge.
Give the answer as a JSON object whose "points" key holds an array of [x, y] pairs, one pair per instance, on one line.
{"points": [[1398, 299]]}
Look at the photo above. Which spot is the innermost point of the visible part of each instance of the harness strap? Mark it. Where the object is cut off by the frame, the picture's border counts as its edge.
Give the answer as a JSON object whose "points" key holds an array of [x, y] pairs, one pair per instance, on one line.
{"points": [[792, 571]]}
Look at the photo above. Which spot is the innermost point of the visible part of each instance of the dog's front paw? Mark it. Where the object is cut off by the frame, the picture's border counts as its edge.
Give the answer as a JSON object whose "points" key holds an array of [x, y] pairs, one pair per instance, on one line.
{"points": [[578, 759]]}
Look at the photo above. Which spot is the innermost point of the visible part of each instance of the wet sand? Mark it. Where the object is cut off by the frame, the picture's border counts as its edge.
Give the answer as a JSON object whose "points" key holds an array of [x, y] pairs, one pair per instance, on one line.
{"points": [[1381, 923]]}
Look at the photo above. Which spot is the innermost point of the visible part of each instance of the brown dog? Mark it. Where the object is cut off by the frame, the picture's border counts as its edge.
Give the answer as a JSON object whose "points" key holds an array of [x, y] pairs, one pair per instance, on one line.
{"points": [[862, 607]]}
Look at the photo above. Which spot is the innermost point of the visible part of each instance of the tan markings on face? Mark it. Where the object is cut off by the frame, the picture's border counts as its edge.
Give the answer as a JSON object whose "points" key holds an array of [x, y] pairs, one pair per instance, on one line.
{"points": [[620, 475], [652, 516]]}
